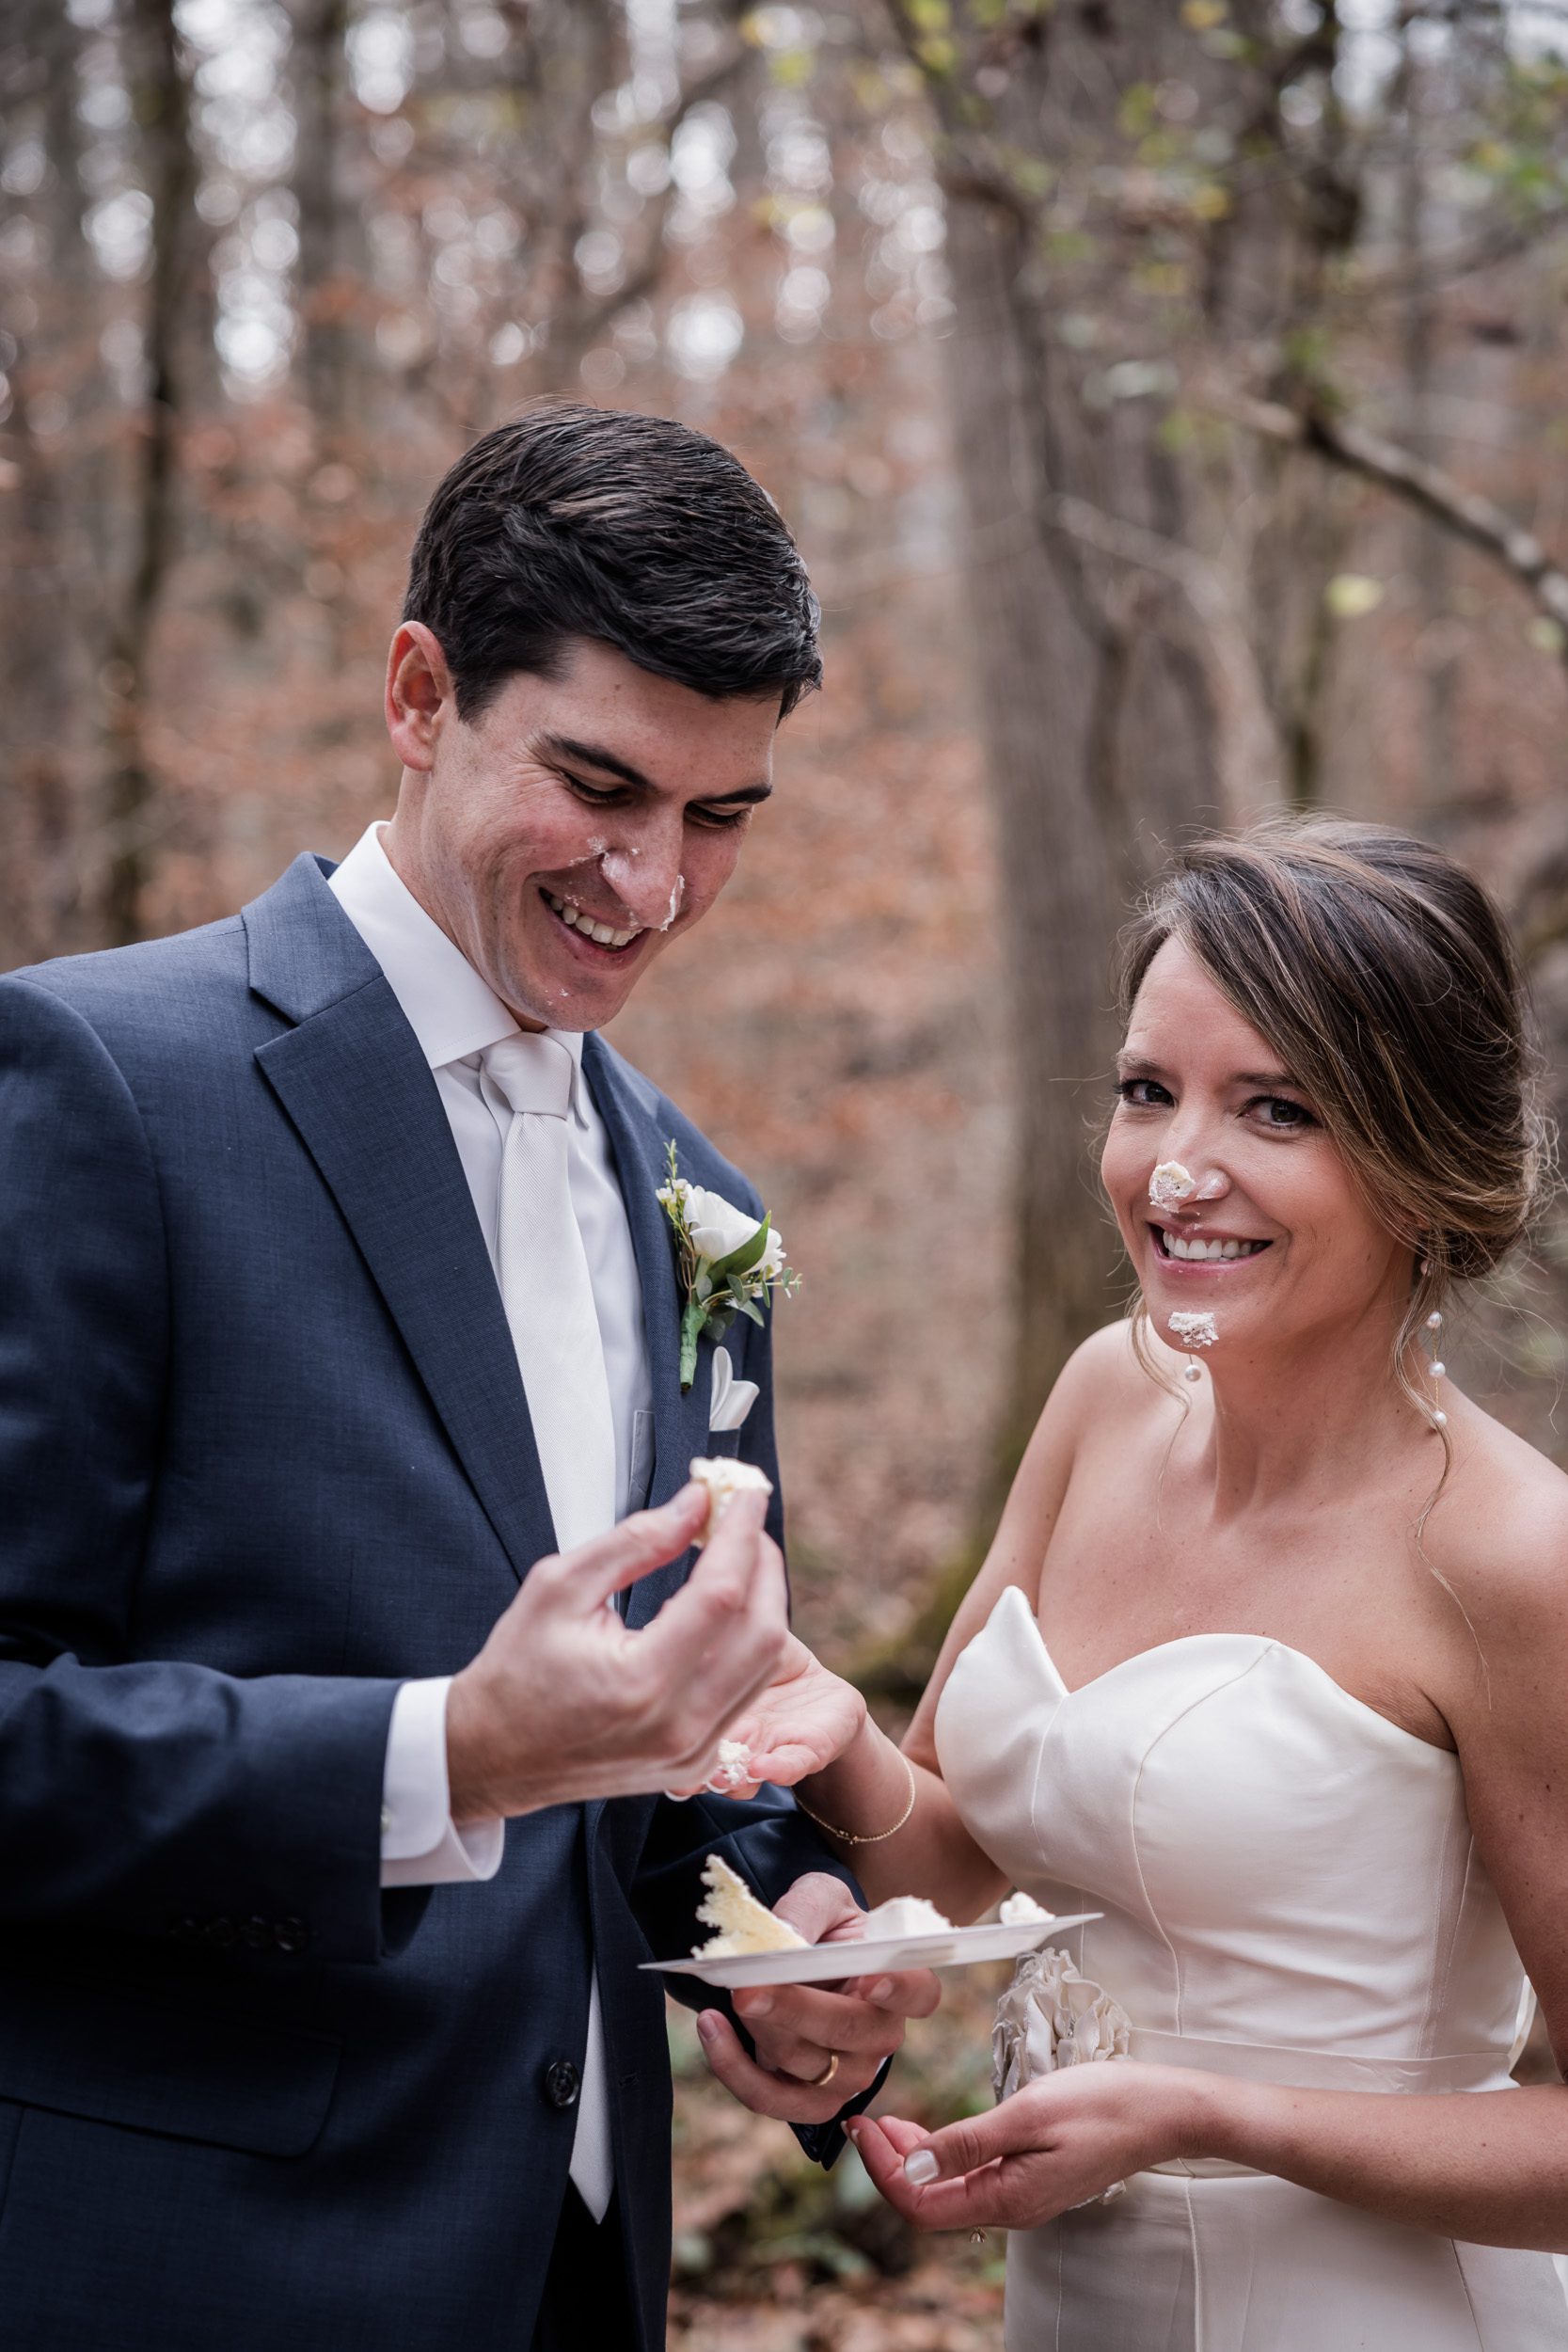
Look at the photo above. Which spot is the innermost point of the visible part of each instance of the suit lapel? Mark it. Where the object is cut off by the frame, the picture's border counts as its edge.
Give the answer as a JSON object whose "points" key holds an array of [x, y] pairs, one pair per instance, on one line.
{"points": [[628, 1107], [361, 1095]]}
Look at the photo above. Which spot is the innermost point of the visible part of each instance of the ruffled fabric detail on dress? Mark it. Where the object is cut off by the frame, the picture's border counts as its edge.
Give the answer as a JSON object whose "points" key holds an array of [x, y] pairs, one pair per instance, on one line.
{"points": [[1051, 2016]]}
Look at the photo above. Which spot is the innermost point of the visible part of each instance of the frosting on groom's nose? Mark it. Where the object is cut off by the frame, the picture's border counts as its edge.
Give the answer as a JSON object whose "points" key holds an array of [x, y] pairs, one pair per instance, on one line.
{"points": [[652, 889]]}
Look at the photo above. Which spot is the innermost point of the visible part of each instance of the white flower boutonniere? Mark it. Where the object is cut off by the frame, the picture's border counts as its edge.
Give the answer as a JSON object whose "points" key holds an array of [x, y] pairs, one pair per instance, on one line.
{"points": [[730, 1264]]}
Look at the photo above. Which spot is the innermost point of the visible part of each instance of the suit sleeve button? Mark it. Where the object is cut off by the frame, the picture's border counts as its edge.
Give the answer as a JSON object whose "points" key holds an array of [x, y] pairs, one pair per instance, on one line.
{"points": [[563, 2083], [257, 1934], [186, 1930], [221, 1932], [290, 1935]]}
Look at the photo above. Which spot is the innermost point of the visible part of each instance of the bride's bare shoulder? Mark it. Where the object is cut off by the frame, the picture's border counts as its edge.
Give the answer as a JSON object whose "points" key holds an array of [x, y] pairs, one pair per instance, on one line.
{"points": [[1109, 1381], [1499, 1530], [1103, 1393], [1099, 1389]]}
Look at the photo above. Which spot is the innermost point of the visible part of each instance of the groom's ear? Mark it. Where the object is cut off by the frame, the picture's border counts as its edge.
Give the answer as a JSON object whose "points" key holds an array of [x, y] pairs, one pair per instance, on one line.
{"points": [[418, 689]]}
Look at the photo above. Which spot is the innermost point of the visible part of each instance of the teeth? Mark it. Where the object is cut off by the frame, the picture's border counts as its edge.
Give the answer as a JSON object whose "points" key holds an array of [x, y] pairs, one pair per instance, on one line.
{"points": [[576, 919], [1195, 1250]]}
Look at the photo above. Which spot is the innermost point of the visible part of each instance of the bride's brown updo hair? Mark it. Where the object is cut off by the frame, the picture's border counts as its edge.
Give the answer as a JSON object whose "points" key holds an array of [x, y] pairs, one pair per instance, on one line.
{"points": [[1383, 977]]}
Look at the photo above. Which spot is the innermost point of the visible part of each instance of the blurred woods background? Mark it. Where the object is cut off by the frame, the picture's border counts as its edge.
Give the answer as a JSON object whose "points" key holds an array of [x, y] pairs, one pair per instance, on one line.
{"points": [[1169, 400]]}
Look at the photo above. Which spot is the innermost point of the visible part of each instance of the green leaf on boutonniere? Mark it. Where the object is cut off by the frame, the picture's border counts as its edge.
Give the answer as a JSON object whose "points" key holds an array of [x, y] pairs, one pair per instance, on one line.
{"points": [[741, 1261]]}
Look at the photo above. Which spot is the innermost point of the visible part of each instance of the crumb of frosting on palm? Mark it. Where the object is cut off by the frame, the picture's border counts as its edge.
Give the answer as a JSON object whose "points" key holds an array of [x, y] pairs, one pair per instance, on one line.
{"points": [[1194, 1329], [1170, 1182], [734, 1765]]}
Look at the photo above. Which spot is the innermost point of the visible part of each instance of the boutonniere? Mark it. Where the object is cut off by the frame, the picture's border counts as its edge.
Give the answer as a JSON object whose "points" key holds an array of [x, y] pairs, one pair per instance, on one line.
{"points": [[730, 1264]]}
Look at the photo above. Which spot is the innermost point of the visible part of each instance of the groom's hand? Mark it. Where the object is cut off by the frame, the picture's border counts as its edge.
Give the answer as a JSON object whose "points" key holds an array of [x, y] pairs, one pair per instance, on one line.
{"points": [[796, 2028], [563, 1703]]}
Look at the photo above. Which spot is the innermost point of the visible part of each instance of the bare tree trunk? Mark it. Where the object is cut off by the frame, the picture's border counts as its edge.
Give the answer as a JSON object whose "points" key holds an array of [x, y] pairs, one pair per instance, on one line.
{"points": [[317, 64], [1431, 553], [50, 609], [160, 99], [1121, 697], [1048, 690]]}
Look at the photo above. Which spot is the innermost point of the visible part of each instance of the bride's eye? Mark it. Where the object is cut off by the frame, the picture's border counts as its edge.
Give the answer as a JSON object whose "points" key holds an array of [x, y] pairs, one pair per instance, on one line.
{"points": [[1279, 1111], [1143, 1095]]}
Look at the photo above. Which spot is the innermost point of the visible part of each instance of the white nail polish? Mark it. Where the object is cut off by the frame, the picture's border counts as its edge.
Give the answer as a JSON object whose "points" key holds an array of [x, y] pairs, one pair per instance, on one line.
{"points": [[920, 2168]]}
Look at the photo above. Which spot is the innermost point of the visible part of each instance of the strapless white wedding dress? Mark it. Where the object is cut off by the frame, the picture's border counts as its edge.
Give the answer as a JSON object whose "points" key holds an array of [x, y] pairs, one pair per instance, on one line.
{"points": [[1290, 1893]]}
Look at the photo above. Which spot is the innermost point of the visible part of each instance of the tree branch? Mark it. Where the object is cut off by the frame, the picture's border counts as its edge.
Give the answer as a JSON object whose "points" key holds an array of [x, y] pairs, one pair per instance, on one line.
{"points": [[1249, 742], [1477, 520], [1450, 265]]}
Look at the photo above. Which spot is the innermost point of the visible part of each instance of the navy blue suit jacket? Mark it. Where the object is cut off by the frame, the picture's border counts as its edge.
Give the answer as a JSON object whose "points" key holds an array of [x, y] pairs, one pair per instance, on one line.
{"points": [[264, 1454]]}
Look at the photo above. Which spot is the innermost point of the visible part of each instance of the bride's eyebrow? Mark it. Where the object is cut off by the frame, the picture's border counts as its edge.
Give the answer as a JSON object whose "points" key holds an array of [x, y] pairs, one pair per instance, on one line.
{"points": [[1266, 1081]]}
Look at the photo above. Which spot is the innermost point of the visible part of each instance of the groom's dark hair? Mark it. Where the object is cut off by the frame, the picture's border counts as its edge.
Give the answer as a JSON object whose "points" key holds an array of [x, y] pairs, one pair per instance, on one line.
{"points": [[573, 522]]}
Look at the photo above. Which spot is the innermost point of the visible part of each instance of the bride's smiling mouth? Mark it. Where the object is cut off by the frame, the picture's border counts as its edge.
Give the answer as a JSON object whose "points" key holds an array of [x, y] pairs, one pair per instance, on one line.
{"points": [[1194, 1248]]}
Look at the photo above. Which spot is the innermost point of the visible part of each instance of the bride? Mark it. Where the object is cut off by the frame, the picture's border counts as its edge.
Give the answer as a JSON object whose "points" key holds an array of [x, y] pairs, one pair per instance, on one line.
{"points": [[1268, 1665]]}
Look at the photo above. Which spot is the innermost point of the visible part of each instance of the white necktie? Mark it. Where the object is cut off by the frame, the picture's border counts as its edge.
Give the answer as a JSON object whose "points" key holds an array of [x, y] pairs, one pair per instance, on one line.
{"points": [[549, 1295]]}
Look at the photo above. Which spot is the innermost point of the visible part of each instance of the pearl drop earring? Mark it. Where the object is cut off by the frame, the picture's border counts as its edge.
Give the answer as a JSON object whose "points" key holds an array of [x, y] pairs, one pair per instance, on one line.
{"points": [[1194, 1371], [1435, 1324]]}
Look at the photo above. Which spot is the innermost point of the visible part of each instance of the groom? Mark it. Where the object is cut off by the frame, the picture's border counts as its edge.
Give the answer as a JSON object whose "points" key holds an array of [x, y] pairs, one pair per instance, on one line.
{"points": [[335, 1302]]}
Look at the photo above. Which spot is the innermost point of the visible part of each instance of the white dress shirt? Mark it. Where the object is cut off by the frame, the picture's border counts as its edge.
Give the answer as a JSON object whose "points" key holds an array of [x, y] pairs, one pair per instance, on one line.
{"points": [[455, 1015]]}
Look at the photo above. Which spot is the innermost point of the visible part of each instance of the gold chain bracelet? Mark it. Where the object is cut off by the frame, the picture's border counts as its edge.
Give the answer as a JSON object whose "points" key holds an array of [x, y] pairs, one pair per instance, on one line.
{"points": [[847, 1837]]}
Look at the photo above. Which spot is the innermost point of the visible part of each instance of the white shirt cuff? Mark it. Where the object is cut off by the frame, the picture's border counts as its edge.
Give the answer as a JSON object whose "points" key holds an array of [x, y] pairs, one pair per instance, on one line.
{"points": [[421, 1843]]}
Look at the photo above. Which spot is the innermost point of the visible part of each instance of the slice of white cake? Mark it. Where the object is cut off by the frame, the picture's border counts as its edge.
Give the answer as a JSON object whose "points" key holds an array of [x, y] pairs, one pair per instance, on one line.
{"points": [[723, 1479], [744, 1925]]}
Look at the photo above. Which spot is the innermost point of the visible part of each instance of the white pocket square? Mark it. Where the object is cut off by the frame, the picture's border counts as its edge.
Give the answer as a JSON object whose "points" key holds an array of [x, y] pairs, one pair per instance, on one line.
{"points": [[732, 1399]]}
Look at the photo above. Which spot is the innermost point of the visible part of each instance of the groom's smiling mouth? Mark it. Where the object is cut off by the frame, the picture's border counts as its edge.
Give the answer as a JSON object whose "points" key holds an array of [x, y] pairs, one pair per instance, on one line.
{"points": [[588, 927]]}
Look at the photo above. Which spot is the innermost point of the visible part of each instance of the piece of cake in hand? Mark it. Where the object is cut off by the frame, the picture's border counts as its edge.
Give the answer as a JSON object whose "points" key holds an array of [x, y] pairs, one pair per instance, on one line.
{"points": [[744, 1925], [722, 1480]]}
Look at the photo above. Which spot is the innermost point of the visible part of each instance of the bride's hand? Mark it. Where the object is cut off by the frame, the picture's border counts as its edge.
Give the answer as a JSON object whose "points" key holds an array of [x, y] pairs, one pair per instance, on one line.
{"points": [[1056, 2143], [803, 1720]]}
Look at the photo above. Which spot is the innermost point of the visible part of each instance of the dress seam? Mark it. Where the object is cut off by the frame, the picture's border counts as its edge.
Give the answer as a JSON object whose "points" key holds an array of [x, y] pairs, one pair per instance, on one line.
{"points": [[1197, 2268], [1193, 1704], [1442, 1967], [1465, 2289]]}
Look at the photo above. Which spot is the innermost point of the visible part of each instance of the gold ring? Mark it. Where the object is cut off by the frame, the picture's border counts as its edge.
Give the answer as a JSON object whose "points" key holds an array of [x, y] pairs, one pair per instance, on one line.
{"points": [[819, 2082]]}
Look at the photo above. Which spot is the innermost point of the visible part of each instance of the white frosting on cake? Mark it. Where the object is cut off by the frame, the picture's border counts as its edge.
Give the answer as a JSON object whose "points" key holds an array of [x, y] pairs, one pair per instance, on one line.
{"points": [[904, 1914], [725, 1479], [1020, 1911], [1194, 1329], [744, 1925]]}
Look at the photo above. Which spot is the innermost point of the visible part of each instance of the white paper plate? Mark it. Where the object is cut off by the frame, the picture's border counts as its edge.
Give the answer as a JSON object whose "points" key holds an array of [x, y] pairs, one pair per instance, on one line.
{"points": [[829, 1963]]}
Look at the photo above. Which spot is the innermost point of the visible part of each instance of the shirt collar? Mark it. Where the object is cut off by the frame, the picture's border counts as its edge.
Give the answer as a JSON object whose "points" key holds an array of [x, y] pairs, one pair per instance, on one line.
{"points": [[452, 1011]]}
